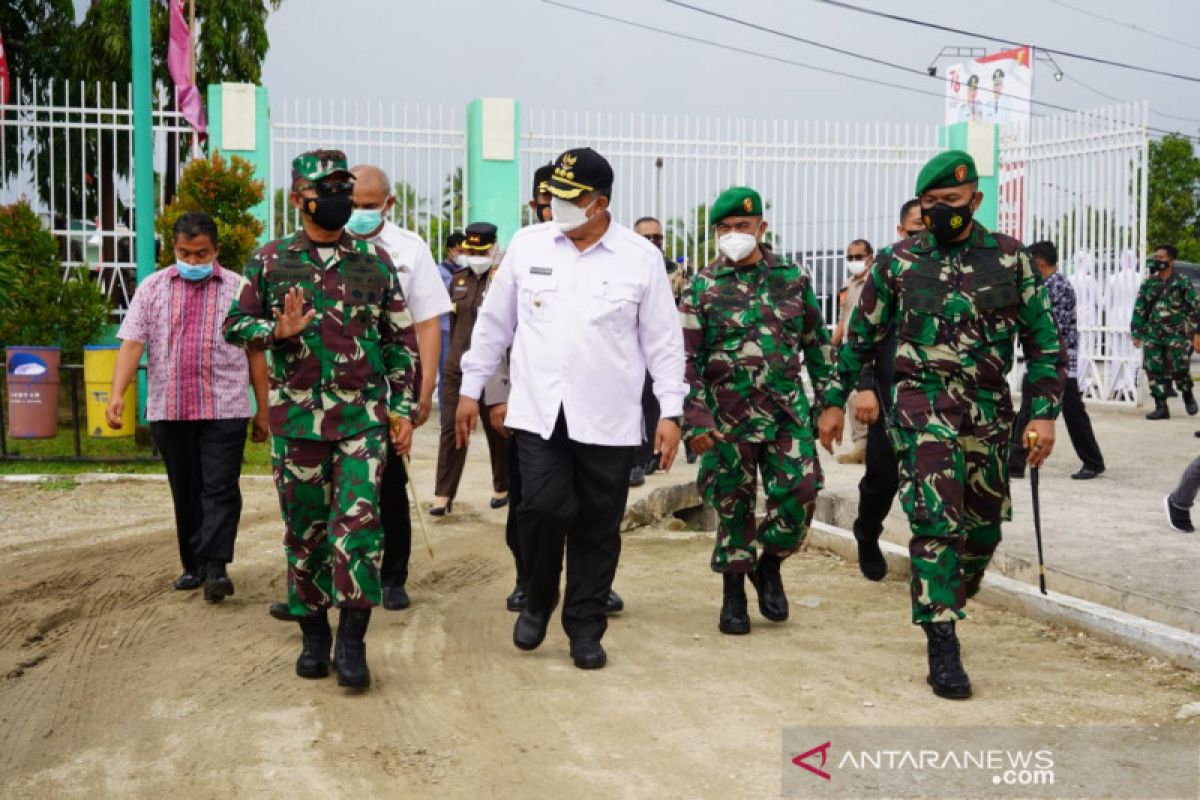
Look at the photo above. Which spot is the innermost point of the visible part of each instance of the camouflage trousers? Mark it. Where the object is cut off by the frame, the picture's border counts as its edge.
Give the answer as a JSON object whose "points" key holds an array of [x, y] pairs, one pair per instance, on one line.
{"points": [[955, 493], [791, 476], [329, 496], [1167, 362]]}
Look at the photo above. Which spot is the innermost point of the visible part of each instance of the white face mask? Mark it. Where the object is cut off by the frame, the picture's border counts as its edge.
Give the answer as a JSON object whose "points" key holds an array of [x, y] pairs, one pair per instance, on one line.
{"points": [[461, 261], [736, 246], [567, 215], [856, 268], [479, 264]]}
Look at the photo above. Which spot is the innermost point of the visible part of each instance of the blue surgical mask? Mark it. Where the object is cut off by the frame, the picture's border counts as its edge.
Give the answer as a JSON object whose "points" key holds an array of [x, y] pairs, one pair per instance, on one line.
{"points": [[194, 272], [365, 221]]}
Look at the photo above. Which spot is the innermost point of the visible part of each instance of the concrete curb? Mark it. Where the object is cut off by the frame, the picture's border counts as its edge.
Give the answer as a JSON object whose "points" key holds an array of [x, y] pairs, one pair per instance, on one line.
{"points": [[1150, 637]]}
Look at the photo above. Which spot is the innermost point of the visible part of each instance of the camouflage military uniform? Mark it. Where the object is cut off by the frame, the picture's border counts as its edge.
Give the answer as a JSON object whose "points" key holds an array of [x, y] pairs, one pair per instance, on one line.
{"points": [[744, 329], [1165, 326], [333, 386], [956, 309]]}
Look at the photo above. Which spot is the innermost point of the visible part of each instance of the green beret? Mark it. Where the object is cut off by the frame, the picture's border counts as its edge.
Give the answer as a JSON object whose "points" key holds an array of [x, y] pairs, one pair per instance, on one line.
{"points": [[951, 168], [737, 201]]}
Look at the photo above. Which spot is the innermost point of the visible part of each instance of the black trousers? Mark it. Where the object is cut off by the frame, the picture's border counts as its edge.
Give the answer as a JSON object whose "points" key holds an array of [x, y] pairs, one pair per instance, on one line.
{"points": [[204, 461], [572, 498], [650, 414], [512, 526], [1079, 428], [879, 484], [397, 525]]}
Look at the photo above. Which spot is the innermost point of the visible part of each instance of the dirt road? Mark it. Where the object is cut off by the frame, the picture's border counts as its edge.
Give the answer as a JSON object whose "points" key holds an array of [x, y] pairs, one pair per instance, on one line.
{"points": [[114, 685]]}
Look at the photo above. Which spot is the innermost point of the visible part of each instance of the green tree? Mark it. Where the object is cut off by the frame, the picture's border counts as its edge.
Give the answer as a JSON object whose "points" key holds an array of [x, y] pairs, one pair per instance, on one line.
{"points": [[1174, 196], [226, 190], [42, 308]]}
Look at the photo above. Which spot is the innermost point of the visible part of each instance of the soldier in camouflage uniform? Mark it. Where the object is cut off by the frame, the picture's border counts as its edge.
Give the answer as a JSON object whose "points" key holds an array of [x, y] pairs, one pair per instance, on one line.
{"points": [[747, 318], [1165, 316], [329, 309], [958, 296]]}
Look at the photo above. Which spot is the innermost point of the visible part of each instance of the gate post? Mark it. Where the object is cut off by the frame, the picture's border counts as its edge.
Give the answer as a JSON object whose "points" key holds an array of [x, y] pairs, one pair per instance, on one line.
{"points": [[493, 177], [240, 125], [982, 141]]}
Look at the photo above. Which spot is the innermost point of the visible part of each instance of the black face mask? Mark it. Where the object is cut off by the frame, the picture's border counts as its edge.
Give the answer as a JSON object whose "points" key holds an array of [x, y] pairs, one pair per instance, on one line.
{"points": [[946, 222], [542, 210], [330, 212], [1158, 266], [916, 232]]}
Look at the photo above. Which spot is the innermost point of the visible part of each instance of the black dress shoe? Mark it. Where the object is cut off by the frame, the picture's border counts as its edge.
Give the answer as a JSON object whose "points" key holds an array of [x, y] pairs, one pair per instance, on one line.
{"points": [[530, 629], [1087, 473], [188, 580], [637, 476], [441, 511], [217, 585], [498, 502], [282, 612], [614, 604], [652, 464], [395, 598], [772, 602], [516, 600], [588, 655]]}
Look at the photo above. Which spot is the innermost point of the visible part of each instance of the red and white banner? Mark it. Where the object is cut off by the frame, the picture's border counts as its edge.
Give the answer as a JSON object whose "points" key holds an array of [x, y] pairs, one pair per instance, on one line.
{"points": [[994, 88], [179, 64]]}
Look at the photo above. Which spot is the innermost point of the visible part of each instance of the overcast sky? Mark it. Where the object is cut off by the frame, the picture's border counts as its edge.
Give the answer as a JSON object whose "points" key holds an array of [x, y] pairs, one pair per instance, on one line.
{"points": [[549, 58]]}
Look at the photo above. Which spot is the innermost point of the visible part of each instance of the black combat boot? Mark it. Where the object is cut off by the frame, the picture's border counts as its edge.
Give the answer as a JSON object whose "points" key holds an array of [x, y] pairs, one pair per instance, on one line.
{"points": [[1160, 410], [1189, 402], [350, 651], [735, 619], [871, 562], [946, 674], [772, 602], [318, 638]]}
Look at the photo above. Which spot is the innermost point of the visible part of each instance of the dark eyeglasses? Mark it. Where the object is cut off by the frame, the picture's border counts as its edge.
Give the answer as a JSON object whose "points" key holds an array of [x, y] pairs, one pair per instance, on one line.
{"points": [[657, 238], [858, 257], [326, 188]]}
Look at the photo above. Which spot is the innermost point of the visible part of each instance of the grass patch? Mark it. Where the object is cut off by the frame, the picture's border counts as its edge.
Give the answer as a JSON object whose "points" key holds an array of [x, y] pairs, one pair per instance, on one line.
{"points": [[257, 460], [58, 485]]}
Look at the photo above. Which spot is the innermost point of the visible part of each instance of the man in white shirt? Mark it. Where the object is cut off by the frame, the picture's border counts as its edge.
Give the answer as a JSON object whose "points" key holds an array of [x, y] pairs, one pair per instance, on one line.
{"points": [[587, 309]]}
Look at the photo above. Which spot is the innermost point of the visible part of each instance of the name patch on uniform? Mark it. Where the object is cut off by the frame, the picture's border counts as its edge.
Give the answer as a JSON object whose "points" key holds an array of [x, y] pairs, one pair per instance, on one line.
{"points": [[541, 270]]}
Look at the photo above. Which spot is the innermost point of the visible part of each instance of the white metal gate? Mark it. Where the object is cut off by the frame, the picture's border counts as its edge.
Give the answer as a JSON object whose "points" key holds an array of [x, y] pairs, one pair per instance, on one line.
{"points": [[421, 148], [1079, 181], [825, 184], [70, 156]]}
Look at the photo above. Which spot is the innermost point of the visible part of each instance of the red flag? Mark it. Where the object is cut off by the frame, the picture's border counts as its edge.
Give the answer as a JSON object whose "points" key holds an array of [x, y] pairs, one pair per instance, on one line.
{"points": [[179, 49], [5, 80]]}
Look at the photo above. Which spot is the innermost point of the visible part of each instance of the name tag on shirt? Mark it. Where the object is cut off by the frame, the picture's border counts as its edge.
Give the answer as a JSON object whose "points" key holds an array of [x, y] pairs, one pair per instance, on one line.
{"points": [[541, 270]]}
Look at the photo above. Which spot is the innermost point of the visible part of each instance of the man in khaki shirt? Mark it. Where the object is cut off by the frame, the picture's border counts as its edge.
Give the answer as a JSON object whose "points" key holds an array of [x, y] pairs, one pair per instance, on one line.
{"points": [[859, 256]]}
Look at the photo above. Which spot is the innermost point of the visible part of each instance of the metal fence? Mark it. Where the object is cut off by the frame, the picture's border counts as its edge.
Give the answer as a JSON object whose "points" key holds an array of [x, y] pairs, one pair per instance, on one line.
{"points": [[825, 184], [421, 148], [1079, 181], [70, 155]]}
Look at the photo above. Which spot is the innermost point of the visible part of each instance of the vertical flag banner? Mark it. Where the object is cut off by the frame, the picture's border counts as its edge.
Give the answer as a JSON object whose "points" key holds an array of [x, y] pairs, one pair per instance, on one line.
{"points": [[5, 80], [179, 54]]}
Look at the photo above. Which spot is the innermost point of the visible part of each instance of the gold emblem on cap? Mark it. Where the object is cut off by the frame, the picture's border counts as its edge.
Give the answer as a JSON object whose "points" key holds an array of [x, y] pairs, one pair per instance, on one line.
{"points": [[747, 204], [569, 160], [960, 172]]}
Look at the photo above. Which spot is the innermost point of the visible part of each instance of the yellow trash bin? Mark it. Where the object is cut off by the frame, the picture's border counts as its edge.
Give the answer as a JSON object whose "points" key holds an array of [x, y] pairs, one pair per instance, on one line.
{"points": [[99, 361]]}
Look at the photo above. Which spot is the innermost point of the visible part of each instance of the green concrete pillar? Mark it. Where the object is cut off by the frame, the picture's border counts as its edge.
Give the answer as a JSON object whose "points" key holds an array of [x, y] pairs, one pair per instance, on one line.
{"points": [[982, 141], [239, 124], [493, 175], [145, 207]]}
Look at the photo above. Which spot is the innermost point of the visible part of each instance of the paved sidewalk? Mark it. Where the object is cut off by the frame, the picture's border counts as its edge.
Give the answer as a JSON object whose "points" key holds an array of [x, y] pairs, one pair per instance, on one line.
{"points": [[1105, 540]]}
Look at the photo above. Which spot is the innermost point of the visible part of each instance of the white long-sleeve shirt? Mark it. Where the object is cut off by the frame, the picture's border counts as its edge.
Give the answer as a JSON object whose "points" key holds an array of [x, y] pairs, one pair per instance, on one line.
{"points": [[584, 328]]}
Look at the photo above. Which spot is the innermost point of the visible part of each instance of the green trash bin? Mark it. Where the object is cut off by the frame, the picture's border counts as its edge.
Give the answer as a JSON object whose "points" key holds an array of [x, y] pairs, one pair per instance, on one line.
{"points": [[32, 376]]}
